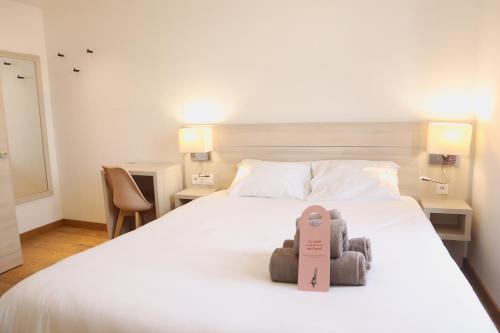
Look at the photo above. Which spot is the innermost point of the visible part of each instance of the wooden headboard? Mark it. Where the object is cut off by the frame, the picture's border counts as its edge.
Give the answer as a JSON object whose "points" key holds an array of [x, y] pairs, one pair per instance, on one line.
{"points": [[398, 142]]}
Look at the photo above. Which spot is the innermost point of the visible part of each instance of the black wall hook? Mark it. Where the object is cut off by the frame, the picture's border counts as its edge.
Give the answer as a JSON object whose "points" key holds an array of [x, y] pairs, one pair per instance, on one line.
{"points": [[6, 63], [20, 77], [90, 51], [59, 54], [76, 70]]}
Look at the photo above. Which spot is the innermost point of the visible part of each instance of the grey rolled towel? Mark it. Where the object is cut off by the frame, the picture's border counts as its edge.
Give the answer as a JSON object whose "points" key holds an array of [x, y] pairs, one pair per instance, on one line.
{"points": [[363, 245], [284, 266], [339, 241], [349, 269]]}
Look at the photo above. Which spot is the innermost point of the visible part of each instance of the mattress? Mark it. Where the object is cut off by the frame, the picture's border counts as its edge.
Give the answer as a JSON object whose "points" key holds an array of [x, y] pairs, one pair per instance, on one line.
{"points": [[204, 268]]}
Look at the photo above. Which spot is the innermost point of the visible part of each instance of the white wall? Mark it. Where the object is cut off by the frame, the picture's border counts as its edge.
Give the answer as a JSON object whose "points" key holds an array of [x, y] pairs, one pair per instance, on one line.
{"points": [[161, 63], [485, 247], [21, 30]]}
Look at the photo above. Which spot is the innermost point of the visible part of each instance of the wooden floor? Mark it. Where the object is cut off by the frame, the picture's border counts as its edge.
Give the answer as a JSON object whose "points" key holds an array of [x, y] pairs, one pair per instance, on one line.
{"points": [[481, 293], [47, 248]]}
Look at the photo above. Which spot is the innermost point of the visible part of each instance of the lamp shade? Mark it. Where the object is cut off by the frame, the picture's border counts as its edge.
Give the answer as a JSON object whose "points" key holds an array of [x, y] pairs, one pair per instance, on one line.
{"points": [[195, 140], [449, 138]]}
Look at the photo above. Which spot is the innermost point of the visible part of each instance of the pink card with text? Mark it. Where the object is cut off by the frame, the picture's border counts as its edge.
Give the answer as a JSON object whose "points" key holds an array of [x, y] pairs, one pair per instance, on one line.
{"points": [[314, 253]]}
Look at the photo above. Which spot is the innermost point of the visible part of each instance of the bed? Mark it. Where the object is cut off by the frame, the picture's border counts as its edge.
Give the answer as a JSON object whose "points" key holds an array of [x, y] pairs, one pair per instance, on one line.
{"points": [[204, 268]]}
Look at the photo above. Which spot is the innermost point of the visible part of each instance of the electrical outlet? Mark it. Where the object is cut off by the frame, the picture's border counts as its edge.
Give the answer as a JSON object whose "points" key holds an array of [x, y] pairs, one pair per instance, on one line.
{"points": [[204, 179], [442, 188]]}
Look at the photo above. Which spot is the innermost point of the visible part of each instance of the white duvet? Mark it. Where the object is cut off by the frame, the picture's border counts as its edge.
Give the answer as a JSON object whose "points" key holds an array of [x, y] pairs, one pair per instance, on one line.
{"points": [[204, 268]]}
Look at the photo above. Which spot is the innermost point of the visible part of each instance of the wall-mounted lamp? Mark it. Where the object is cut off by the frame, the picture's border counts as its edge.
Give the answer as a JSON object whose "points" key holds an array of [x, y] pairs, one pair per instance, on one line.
{"points": [[197, 141], [445, 141]]}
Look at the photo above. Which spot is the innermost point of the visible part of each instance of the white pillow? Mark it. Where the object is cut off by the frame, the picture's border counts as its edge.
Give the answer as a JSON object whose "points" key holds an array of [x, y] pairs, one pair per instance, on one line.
{"points": [[353, 180], [272, 179]]}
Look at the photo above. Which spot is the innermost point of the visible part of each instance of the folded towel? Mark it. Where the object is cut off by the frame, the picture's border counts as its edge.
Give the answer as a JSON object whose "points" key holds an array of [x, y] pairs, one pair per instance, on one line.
{"points": [[339, 241], [284, 266], [363, 245], [348, 269], [288, 243]]}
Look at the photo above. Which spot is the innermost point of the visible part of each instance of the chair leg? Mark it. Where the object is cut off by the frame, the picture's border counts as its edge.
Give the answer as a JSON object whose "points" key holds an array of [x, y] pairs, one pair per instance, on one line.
{"points": [[137, 220], [119, 223]]}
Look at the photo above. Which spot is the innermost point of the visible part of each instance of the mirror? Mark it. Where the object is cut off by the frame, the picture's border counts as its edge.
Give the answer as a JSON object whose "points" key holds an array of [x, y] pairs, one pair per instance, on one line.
{"points": [[22, 104]]}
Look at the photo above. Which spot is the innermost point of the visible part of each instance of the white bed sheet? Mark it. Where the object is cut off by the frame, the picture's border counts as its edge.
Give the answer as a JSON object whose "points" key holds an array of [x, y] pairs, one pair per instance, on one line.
{"points": [[204, 268]]}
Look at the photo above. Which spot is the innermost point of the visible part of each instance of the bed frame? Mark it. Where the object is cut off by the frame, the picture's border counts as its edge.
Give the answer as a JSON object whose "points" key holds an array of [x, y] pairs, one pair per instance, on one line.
{"points": [[401, 142]]}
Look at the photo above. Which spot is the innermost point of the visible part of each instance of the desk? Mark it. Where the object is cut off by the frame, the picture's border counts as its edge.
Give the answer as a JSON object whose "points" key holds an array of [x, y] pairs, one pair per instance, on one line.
{"points": [[157, 182]]}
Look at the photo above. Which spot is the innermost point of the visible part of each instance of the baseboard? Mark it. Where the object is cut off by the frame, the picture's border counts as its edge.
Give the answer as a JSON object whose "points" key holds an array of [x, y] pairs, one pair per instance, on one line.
{"points": [[84, 224], [59, 223], [482, 292], [40, 230]]}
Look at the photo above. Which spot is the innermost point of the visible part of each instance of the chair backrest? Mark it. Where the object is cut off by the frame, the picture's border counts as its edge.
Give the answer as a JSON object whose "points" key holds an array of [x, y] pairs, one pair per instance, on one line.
{"points": [[126, 194]]}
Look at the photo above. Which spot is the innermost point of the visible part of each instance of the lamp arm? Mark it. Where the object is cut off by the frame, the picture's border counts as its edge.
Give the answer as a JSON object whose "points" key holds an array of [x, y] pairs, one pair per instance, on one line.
{"points": [[443, 170], [427, 179]]}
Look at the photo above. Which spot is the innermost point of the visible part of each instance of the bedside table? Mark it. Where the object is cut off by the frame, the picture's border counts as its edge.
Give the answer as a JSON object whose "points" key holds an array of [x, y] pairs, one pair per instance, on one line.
{"points": [[452, 220], [189, 194]]}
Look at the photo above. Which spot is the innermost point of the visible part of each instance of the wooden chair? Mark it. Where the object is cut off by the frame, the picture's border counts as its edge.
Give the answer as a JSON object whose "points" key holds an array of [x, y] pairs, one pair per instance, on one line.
{"points": [[126, 196]]}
